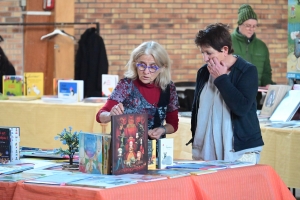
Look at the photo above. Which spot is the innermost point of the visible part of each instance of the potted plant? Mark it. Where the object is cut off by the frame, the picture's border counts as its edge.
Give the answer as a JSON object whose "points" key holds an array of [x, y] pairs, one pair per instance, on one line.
{"points": [[71, 140]]}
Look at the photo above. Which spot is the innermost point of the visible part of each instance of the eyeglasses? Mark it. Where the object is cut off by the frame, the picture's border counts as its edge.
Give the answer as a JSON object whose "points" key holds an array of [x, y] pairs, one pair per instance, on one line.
{"points": [[142, 67], [249, 26]]}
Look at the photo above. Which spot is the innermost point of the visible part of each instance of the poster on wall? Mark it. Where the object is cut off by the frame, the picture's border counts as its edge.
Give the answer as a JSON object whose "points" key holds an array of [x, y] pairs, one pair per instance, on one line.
{"points": [[293, 57]]}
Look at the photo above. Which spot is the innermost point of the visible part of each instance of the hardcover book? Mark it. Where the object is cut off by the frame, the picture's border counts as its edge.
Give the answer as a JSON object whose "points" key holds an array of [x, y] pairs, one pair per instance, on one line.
{"points": [[13, 85], [151, 154], [34, 84], [55, 85], [106, 164], [14, 144], [70, 89], [287, 108], [90, 153], [109, 82], [274, 96], [129, 143], [165, 152]]}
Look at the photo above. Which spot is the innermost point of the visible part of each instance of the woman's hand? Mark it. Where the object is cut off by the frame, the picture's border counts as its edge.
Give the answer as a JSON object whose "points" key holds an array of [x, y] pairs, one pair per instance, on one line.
{"points": [[216, 68], [117, 110], [156, 133]]}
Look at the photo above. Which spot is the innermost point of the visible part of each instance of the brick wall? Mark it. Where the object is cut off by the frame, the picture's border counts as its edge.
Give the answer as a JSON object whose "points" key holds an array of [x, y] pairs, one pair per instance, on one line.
{"points": [[124, 24]]}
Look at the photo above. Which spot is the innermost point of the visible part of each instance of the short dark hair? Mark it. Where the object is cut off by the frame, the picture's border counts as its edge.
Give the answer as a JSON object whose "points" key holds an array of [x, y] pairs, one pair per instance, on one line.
{"points": [[215, 35]]}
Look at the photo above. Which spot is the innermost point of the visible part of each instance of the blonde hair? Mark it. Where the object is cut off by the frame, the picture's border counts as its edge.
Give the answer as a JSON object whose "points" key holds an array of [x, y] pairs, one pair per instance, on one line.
{"points": [[161, 58]]}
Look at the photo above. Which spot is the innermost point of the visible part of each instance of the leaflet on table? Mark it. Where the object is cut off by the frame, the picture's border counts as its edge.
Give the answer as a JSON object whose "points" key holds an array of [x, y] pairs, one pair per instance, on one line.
{"points": [[71, 89]]}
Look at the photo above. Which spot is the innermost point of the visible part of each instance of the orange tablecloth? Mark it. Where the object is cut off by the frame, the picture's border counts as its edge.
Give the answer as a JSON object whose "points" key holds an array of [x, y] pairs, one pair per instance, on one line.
{"points": [[254, 182]]}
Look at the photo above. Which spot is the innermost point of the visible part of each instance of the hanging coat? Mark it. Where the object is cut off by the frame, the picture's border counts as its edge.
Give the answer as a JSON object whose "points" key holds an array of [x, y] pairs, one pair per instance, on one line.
{"points": [[91, 62]]}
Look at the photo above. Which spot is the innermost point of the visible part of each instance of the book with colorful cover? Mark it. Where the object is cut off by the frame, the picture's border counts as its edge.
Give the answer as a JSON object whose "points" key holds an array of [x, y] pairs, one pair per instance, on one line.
{"points": [[71, 89], [55, 85], [5, 145], [143, 177], [13, 85], [90, 153], [109, 82], [129, 143], [34, 84], [14, 144], [106, 152], [165, 152], [102, 181], [151, 154]]}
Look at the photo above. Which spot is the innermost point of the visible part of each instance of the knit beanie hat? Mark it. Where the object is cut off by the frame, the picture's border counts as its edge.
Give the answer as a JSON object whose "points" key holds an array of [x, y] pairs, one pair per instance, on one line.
{"points": [[246, 12]]}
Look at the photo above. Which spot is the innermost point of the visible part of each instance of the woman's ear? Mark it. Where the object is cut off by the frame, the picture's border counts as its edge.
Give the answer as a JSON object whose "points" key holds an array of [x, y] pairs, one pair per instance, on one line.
{"points": [[225, 49]]}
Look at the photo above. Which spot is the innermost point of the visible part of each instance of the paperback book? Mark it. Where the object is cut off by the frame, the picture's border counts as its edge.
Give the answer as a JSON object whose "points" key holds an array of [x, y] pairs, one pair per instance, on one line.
{"points": [[143, 177], [230, 164], [58, 179], [102, 181], [129, 143], [19, 176], [151, 154], [5, 145], [14, 168], [13, 85], [168, 173], [165, 152], [34, 84], [198, 166]]}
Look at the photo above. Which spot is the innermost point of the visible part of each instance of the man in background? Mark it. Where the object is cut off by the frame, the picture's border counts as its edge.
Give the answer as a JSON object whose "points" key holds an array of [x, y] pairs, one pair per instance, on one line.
{"points": [[248, 46]]}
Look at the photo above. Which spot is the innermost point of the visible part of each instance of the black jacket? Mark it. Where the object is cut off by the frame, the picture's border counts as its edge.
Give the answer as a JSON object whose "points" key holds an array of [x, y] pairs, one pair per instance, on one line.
{"points": [[238, 90], [91, 62]]}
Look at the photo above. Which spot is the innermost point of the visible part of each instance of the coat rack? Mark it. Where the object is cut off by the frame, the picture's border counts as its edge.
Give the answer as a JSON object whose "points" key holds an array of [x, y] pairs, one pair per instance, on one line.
{"points": [[53, 24]]}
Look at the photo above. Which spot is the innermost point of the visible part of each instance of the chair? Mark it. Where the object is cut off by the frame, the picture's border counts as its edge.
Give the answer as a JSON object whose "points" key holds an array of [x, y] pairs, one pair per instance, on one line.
{"points": [[185, 95]]}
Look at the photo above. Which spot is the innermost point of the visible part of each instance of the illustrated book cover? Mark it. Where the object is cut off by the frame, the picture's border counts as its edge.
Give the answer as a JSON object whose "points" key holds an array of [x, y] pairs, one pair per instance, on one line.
{"points": [[151, 154], [109, 82], [55, 85], [90, 153], [70, 89], [34, 84], [165, 152], [102, 181], [287, 108], [129, 143], [13, 85], [14, 143], [274, 96], [5, 146]]}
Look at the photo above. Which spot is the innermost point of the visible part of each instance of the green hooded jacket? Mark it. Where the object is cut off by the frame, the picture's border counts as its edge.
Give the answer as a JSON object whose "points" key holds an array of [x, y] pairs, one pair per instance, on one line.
{"points": [[256, 52]]}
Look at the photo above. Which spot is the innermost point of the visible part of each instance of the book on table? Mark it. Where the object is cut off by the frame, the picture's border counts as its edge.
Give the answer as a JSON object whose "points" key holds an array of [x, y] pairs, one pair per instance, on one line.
{"points": [[287, 108], [194, 171], [19, 176], [143, 177], [59, 178], [165, 152], [168, 173], [11, 147], [13, 85], [230, 164], [129, 143], [94, 153], [34, 84], [151, 154], [15, 168], [102, 181], [274, 96], [198, 166], [109, 82], [71, 89]]}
